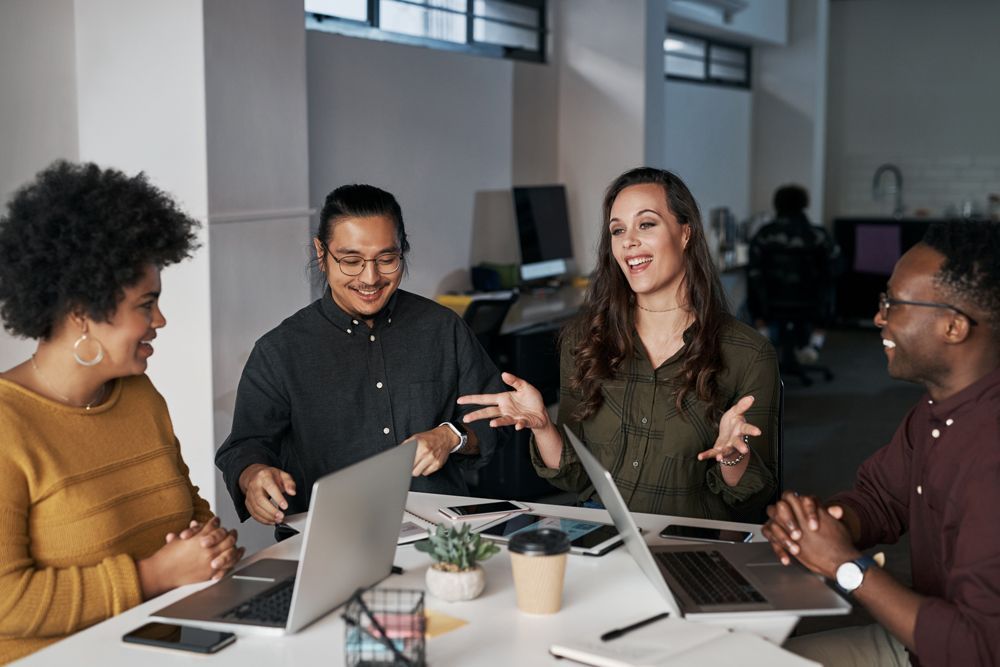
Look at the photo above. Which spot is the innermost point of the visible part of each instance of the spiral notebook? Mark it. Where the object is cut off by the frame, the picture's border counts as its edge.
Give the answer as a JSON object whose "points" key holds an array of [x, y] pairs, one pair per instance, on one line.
{"points": [[413, 528]]}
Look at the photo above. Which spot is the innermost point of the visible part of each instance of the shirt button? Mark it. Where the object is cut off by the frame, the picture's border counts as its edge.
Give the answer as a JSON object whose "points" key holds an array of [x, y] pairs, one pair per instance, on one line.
{"points": [[935, 433], [348, 331], [920, 490], [386, 430], [635, 464], [378, 384], [644, 420], [390, 320], [371, 338], [949, 422], [354, 321]]}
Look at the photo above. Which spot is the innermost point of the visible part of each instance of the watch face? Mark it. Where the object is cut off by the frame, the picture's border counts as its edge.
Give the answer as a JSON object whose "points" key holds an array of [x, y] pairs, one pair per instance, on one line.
{"points": [[849, 576]]}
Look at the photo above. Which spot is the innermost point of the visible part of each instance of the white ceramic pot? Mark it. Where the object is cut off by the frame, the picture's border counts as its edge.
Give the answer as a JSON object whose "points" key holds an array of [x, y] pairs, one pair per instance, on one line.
{"points": [[456, 586]]}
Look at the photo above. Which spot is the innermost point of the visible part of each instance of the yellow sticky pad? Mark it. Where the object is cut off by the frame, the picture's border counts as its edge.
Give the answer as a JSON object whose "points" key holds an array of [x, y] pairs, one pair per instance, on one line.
{"points": [[439, 624]]}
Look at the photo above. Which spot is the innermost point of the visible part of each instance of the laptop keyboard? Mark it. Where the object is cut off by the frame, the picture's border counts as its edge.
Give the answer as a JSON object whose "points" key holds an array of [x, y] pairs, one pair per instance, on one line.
{"points": [[268, 607], [709, 578]]}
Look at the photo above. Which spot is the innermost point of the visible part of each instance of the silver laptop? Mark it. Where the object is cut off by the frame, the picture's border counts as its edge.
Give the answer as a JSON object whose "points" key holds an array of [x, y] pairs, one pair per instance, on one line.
{"points": [[348, 543], [699, 580]]}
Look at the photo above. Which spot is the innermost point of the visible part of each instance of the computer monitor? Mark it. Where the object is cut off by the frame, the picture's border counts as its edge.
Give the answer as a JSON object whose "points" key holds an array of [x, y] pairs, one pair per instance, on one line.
{"points": [[542, 231]]}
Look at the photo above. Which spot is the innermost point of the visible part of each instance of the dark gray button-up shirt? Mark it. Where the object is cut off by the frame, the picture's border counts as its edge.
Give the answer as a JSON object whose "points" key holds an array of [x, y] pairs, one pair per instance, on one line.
{"points": [[322, 391]]}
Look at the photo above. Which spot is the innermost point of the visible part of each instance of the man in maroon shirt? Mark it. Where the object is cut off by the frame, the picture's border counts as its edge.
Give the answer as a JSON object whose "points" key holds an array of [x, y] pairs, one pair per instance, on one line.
{"points": [[938, 478]]}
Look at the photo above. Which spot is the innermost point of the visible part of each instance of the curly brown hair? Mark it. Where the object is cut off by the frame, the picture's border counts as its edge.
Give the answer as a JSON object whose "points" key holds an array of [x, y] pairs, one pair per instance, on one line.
{"points": [[76, 237], [602, 335]]}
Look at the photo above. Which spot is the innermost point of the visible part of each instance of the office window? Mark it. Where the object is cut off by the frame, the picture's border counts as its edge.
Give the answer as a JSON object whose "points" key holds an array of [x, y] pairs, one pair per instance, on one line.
{"points": [[689, 57], [500, 28]]}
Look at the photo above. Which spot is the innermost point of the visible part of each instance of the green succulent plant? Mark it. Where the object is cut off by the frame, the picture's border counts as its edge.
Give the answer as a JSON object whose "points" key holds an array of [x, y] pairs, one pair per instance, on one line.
{"points": [[456, 549]]}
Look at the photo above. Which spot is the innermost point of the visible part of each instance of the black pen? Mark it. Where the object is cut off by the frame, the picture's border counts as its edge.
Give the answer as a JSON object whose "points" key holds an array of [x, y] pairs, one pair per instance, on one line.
{"points": [[615, 634]]}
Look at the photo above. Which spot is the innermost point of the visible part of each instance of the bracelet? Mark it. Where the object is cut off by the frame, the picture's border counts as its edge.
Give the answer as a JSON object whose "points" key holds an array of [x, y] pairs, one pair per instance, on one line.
{"points": [[732, 462]]}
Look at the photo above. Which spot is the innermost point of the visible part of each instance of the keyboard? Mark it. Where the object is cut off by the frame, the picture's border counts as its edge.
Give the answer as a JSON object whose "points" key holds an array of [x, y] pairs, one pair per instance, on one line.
{"points": [[709, 578], [269, 607]]}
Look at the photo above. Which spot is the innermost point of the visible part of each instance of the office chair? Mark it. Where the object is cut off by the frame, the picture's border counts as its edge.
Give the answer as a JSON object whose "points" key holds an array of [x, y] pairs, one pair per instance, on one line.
{"points": [[795, 285], [485, 317]]}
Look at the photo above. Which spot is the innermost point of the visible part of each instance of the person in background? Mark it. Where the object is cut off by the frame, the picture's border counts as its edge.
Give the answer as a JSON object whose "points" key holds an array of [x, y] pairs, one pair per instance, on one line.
{"points": [[364, 367], [791, 229], [936, 480], [97, 512], [660, 382]]}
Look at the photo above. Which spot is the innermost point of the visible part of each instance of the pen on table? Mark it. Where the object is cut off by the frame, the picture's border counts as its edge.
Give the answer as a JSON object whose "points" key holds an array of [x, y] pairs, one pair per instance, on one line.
{"points": [[615, 634]]}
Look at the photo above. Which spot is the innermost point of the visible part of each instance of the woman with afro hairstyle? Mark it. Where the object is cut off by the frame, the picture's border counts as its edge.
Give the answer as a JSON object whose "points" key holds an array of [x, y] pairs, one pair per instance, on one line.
{"points": [[97, 512], [659, 381]]}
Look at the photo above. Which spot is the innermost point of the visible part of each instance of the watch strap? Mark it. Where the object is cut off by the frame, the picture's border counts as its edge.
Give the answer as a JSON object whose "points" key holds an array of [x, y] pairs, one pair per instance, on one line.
{"points": [[463, 436]]}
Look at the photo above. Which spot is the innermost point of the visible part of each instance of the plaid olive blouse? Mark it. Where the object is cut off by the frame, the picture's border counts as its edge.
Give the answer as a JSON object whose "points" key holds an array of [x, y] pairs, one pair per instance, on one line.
{"points": [[651, 449]]}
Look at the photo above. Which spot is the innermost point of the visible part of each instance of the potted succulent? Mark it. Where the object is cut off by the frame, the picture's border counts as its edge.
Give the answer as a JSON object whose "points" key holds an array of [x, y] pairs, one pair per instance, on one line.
{"points": [[455, 574]]}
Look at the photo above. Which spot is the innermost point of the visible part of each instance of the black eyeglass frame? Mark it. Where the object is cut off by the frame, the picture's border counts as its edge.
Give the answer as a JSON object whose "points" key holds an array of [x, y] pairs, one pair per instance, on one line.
{"points": [[885, 302], [364, 262]]}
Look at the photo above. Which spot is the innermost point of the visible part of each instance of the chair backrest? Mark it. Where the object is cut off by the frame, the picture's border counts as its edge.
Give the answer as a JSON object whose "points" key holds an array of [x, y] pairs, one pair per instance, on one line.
{"points": [[485, 317], [796, 281]]}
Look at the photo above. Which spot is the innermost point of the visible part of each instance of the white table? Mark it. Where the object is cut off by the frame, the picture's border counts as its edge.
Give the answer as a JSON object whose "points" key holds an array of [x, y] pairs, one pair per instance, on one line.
{"points": [[599, 594]]}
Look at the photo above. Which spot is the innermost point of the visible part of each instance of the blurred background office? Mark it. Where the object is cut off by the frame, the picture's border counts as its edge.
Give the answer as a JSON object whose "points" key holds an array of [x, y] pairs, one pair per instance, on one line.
{"points": [[250, 111]]}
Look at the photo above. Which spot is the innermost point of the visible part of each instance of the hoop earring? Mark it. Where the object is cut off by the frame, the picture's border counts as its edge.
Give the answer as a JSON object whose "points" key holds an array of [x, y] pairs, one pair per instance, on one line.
{"points": [[76, 354]]}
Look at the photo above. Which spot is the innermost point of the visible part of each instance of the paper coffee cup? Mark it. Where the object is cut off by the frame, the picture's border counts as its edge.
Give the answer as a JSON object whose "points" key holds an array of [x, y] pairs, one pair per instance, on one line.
{"points": [[538, 560]]}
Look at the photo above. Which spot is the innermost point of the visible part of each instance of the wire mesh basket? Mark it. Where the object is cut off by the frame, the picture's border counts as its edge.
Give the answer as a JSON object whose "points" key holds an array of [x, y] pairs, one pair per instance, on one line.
{"points": [[385, 627]]}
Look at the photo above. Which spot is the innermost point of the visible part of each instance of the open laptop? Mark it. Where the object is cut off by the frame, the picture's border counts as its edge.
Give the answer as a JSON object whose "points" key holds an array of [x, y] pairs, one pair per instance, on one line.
{"points": [[700, 580], [348, 543]]}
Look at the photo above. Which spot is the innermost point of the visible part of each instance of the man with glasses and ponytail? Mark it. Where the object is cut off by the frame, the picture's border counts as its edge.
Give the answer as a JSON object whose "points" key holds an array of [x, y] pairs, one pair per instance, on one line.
{"points": [[362, 369], [938, 479]]}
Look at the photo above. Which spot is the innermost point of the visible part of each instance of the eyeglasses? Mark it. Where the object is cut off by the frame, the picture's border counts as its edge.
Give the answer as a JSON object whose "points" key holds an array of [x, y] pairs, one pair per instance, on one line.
{"points": [[354, 265], [884, 303]]}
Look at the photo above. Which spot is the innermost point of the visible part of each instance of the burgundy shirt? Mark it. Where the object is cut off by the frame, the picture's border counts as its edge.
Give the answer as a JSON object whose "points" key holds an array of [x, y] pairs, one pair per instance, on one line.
{"points": [[939, 478]]}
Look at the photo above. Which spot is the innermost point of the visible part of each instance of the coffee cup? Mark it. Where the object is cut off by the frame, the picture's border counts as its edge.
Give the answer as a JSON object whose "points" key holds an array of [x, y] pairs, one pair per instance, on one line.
{"points": [[538, 560]]}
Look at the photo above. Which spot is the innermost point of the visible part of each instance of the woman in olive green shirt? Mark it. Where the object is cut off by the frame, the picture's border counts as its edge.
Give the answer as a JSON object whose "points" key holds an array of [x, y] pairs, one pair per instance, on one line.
{"points": [[662, 384]]}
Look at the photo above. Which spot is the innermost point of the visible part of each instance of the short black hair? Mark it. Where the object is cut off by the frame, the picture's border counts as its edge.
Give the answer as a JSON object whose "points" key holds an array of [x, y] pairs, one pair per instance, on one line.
{"points": [[790, 199], [971, 268], [75, 237]]}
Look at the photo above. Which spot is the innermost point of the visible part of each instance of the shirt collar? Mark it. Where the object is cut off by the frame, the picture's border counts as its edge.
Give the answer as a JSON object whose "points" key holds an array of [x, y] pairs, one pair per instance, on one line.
{"points": [[969, 395], [349, 324]]}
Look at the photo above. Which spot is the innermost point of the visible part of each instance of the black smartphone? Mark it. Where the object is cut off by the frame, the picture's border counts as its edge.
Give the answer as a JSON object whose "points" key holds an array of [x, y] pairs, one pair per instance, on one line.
{"points": [[166, 635], [711, 534]]}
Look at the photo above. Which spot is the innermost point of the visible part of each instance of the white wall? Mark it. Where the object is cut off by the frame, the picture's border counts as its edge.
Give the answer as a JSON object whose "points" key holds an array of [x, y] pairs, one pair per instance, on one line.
{"points": [[708, 143], [141, 98], [258, 177], [913, 82], [789, 108], [37, 106], [604, 88], [431, 127]]}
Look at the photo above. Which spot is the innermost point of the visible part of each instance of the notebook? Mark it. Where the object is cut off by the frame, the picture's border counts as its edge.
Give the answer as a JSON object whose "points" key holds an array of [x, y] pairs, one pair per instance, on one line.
{"points": [[343, 549], [413, 528], [688, 576]]}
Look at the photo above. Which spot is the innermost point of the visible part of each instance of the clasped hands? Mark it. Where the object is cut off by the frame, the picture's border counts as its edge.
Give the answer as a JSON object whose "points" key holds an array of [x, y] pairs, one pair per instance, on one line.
{"points": [[800, 526], [197, 553]]}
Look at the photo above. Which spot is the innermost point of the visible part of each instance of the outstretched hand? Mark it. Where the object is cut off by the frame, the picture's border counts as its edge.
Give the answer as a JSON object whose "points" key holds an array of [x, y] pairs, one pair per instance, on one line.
{"points": [[734, 432], [521, 408]]}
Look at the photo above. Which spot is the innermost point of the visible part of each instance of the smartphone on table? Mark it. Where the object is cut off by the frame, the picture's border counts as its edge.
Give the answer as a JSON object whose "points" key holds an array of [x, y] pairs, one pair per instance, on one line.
{"points": [[168, 635], [477, 510], [708, 534]]}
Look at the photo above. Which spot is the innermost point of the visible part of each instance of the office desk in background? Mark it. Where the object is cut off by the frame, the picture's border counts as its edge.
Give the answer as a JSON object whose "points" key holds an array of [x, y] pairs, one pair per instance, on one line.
{"points": [[600, 594]]}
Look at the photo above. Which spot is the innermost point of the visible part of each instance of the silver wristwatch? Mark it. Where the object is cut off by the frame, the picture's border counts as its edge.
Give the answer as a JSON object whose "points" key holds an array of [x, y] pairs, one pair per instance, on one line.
{"points": [[463, 435], [852, 573]]}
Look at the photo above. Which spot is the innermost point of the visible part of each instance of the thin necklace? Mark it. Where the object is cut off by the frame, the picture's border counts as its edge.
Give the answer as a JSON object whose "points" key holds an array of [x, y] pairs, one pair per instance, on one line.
{"points": [[650, 310], [65, 399]]}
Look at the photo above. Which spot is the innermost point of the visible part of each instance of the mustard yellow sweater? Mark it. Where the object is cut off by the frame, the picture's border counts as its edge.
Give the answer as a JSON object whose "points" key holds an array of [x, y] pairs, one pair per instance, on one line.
{"points": [[83, 496]]}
